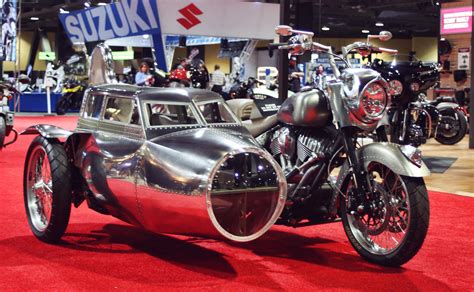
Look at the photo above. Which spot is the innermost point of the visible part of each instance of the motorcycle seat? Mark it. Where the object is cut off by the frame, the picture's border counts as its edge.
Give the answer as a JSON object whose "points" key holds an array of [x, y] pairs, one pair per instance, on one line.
{"points": [[242, 107], [258, 126]]}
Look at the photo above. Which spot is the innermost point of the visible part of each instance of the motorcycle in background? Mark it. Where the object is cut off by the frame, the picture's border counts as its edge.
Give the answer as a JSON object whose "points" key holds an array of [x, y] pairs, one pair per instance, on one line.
{"points": [[412, 118], [379, 193], [7, 91], [73, 91]]}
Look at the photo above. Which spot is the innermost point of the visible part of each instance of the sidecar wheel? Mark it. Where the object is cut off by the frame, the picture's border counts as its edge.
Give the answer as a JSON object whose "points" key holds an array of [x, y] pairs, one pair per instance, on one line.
{"points": [[457, 128], [393, 231], [3, 129], [47, 189]]}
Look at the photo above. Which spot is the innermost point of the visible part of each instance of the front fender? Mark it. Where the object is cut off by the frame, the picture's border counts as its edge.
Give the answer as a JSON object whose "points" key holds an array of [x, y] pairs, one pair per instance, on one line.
{"points": [[389, 154], [47, 131]]}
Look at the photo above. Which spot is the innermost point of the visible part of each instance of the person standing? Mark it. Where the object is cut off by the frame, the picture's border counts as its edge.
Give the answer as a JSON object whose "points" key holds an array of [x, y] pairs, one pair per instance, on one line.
{"points": [[217, 79], [143, 77], [294, 76]]}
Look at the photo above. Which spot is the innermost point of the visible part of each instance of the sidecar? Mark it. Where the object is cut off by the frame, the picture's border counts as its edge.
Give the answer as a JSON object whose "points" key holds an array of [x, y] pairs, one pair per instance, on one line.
{"points": [[168, 160]]}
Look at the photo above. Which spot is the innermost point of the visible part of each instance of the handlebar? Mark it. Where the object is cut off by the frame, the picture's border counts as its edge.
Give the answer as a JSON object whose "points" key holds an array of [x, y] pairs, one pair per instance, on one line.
{"points": [[389, 51]]}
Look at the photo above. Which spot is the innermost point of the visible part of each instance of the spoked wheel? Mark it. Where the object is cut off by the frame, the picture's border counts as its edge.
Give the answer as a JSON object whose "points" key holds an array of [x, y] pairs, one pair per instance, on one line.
{"points": [[47, 189], [452, 128], [389, 225], [3, 130]]}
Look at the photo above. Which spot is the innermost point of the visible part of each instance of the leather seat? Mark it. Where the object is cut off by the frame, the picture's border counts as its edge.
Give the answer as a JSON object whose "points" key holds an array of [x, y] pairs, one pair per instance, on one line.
{"points": [[242, 107], [259, 126]]}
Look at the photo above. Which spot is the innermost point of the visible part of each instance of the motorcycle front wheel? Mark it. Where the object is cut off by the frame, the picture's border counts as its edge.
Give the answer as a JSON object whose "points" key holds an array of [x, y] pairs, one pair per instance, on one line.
{"points": [[388, 228], [452, 128], [63, 104], [3, 130]]}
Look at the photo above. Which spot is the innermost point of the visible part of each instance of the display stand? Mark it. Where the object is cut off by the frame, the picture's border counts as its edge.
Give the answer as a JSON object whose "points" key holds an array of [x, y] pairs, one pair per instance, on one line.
{"points": [[48, 83]]}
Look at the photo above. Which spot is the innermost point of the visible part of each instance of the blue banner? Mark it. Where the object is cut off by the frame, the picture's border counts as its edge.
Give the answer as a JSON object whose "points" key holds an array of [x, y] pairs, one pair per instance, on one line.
{"points": [[120, 19]]}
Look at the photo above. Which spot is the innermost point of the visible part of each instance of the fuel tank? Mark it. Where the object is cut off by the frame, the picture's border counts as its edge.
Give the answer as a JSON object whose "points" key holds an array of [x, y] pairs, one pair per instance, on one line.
{"points": [[308, 108]]}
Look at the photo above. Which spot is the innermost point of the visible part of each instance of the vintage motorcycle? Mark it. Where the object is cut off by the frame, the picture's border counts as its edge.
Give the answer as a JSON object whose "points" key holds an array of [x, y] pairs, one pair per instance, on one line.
{"points": [[412, 117], [379, 193]]}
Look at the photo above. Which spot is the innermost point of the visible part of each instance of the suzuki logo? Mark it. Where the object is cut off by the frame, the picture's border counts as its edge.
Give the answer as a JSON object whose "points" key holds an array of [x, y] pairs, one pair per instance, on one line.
{"points": [[189, 12]]}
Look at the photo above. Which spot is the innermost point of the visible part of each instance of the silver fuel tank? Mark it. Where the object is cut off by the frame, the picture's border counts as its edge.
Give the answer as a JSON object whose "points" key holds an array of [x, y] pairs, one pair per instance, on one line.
{"points": [[308, 108]]}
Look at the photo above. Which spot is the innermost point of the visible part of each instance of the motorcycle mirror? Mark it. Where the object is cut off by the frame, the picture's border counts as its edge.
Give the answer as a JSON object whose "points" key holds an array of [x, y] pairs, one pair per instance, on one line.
{"points": [[284, 30], [385, 35]]}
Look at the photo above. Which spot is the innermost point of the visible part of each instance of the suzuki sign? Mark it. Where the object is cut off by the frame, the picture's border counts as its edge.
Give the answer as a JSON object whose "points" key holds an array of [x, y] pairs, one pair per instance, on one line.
{"points": [[230, 18]]}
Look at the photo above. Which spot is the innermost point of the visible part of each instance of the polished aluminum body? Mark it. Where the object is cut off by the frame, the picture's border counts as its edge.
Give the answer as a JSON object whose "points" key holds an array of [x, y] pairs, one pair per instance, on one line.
{"points": [[210, 179]]}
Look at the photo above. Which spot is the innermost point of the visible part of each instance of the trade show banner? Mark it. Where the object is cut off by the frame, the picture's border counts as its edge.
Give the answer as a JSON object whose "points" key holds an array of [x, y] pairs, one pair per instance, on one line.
{"points": [[8, 22], [236, 18], [120, 19]]}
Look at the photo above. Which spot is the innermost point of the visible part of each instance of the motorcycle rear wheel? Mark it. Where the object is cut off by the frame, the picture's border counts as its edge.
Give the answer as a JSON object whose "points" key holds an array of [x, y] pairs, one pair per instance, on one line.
{"points": [[394, 231], [3, 130], [456, 133], [47, 189]]}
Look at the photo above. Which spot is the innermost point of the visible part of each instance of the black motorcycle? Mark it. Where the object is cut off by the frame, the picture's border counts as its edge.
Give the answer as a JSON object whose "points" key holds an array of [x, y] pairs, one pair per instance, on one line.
{"points": [[243, 89], [412, 117], [379, 193], [73, 91]]}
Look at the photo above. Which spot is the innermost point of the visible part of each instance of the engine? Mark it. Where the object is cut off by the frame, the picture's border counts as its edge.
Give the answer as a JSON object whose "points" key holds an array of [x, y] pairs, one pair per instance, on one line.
{"points": [[294, 147]]}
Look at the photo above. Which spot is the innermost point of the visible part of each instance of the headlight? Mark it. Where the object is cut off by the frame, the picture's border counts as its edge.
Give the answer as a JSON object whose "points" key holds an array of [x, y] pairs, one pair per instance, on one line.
{"points": [[415, 86], [372, 103], [395, 87]]}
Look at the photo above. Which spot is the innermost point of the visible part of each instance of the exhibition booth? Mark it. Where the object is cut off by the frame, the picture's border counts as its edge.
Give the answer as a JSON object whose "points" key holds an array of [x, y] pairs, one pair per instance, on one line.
{"points": [[275, 145]]}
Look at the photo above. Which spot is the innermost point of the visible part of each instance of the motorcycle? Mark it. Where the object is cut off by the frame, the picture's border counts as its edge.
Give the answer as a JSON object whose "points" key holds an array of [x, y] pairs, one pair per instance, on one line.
{"points": [[412, 118], [73, 91], [7, 91], [379, 194]]}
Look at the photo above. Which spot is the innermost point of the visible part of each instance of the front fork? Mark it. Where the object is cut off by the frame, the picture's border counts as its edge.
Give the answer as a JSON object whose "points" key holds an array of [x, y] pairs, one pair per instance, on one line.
{"points": [[359, 174]]}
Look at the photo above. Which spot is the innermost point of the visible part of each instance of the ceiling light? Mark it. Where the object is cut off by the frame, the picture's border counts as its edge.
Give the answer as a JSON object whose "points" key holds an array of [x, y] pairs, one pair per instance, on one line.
{"points": [[442, 39], [379, 24], [34, 18], [101, 4], [325, 28], [87, 4], [62, 11], [365, 31]]}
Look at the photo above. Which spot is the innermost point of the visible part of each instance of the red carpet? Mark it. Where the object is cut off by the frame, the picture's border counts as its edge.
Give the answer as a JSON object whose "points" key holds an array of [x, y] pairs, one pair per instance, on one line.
{"points": [[103, 253]]}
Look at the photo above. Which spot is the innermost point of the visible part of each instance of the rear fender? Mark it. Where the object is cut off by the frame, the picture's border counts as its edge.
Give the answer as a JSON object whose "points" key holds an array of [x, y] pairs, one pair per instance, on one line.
{"points": [[447, 105], [47, 131]]}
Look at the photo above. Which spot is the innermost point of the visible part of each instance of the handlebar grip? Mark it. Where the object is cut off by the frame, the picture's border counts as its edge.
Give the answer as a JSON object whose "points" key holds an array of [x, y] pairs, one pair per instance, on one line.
{"points": [[390, 51], [276, 45]]}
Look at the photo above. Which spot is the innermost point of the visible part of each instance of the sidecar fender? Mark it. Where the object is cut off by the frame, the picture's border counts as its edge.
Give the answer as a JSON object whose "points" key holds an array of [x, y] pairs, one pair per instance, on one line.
{"points": [[47, 131], [389, 154]]}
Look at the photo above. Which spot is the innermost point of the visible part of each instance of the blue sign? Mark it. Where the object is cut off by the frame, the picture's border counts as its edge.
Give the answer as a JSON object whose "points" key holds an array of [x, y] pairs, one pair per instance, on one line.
{"points": [[120, 19]]}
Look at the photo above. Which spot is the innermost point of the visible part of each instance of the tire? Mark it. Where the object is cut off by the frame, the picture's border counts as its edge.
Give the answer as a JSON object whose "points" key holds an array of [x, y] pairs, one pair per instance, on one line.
{"points": [[3, 130], [451, 137], [404, 236], [63, 104], [47, 189]]}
